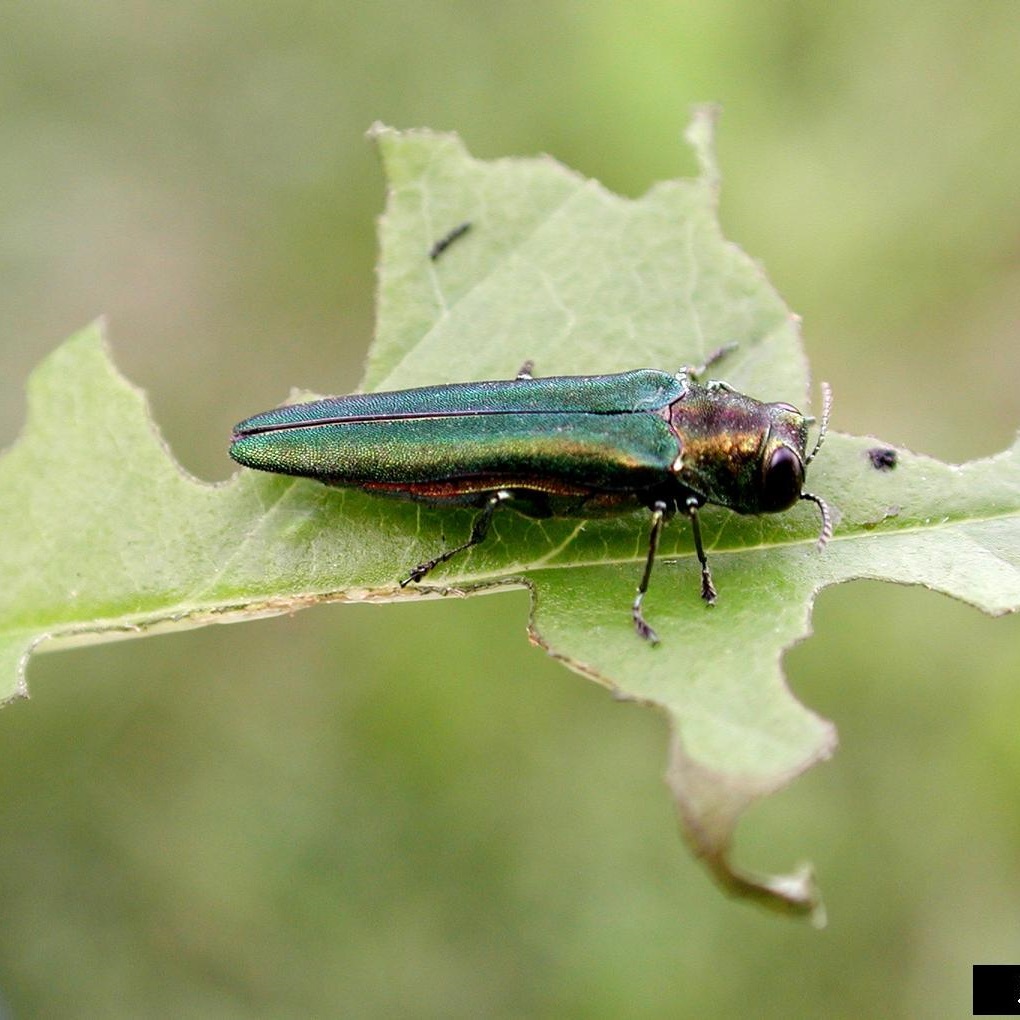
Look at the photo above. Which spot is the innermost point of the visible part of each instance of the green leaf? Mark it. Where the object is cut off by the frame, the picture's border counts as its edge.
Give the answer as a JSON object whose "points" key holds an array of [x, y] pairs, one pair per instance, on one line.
{"points": [[106, 536]]}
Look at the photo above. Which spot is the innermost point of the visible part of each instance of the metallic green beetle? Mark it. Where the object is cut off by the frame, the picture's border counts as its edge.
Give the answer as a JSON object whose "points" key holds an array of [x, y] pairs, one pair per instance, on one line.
{"points": [[564, 446]]}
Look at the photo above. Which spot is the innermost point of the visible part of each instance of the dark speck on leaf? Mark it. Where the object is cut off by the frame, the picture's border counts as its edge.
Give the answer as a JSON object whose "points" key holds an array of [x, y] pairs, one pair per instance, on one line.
{"points": [[444, 242], [882, 458]]}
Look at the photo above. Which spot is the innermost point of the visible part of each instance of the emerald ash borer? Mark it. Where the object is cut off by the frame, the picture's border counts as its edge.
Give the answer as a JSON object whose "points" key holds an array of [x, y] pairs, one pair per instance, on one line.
{"points": [[563, 446]]}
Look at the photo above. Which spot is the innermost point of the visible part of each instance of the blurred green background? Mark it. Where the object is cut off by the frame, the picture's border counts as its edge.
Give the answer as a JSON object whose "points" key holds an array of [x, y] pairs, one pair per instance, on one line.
{"points": [[406, 810]]}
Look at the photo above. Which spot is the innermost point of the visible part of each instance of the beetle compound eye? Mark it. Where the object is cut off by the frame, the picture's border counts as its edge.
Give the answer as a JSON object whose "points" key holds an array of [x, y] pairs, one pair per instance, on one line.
{"points": [[784, 477]]}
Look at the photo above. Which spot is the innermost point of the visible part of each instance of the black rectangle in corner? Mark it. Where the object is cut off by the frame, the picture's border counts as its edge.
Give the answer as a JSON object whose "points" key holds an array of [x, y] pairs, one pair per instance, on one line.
{"points": [[997, 989]]}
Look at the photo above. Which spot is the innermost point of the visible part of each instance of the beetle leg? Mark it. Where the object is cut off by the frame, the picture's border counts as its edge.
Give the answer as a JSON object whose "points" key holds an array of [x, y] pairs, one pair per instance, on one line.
{"points": [[640, 623], [524, 372], [708, 592], [717, 355], [479, 530]]}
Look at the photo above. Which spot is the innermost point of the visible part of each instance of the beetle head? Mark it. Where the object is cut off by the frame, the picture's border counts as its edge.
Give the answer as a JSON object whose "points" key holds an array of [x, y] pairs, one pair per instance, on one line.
{"points": [[744, 454], [739, 452]]}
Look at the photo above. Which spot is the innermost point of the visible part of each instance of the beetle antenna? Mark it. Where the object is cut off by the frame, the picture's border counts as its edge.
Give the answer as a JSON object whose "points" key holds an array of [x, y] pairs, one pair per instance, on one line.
{"points": [[823, 428], [823, 507]]}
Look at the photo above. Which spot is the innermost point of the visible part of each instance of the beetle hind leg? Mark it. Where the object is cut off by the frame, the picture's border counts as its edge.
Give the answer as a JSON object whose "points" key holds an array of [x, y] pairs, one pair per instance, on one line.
{"points": [[641, 625], [479, 530]]}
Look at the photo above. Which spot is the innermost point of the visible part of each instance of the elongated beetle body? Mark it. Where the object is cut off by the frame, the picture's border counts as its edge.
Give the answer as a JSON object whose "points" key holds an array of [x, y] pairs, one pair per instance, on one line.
{"points": [[564, 446]]}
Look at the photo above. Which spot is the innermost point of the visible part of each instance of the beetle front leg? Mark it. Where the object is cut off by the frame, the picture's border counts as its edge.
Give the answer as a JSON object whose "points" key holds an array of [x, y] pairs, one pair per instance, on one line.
{"points": [[640, 623], [479, 530], [708, 592]]}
